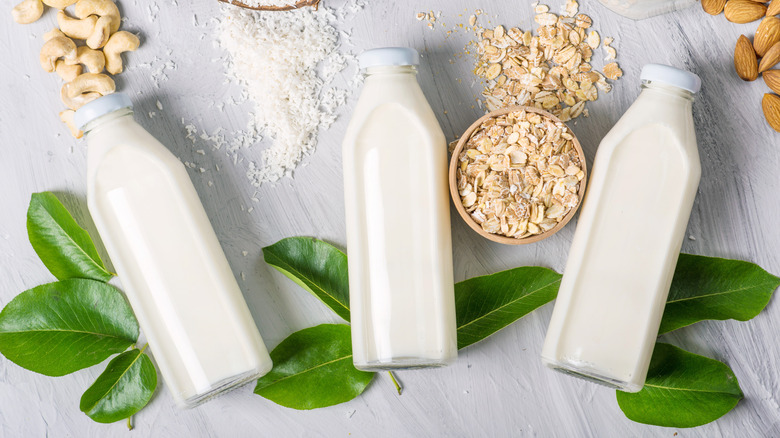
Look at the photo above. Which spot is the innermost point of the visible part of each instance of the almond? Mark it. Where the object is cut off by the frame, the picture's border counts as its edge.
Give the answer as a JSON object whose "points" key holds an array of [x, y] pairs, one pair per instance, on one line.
{"points": [[713, 7], [743, 11], [745, 61], [767, 34], [770, 59], [774, 9], [772, 80], [771, 106]]}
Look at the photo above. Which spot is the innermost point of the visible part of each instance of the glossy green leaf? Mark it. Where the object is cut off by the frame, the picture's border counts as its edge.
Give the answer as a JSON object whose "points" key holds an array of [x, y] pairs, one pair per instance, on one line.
{"points": [[123, 389], [715, 288], [63, 246], [682, 390], [485, 305], [313, 369], [58, 328], [316, 266]]}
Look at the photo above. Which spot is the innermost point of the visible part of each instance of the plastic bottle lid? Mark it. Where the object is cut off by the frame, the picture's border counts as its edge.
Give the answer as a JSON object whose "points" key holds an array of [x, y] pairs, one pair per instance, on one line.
{"points": [[100, 107], [388, 56], [671, 76]]}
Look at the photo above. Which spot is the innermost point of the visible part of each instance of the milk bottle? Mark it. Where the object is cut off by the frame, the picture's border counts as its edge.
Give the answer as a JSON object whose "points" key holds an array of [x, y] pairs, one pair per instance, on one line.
{"points": [[167, 255], [628, 237], [641, 9], [398, 223]]}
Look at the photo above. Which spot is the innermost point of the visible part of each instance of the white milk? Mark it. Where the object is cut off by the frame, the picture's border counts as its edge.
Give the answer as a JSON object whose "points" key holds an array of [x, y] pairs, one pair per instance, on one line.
{"points": [[628, 237], [398, 223], [167, 255]]}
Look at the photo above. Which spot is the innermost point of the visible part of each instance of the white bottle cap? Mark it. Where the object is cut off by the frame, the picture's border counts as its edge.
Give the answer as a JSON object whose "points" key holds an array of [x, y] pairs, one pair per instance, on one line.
{"points": [[671, 76], [100, 107], [388, 56]]}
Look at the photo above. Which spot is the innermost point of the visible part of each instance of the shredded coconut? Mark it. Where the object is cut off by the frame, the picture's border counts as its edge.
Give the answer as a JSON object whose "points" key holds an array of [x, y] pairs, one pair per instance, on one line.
{"points": [[275, 57]]}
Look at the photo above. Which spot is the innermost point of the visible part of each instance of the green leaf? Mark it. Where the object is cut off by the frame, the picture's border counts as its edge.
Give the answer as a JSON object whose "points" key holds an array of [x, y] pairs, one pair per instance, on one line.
{"points": [[485, 305], [58, 328], [63, 246], [715, 288], [313, 369], [316, 266], [682, 390], [124, 388]]}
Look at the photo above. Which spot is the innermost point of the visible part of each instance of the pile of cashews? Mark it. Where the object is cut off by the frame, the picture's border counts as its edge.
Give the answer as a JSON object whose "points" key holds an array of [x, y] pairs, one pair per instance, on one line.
{"points": [[96, 23]]}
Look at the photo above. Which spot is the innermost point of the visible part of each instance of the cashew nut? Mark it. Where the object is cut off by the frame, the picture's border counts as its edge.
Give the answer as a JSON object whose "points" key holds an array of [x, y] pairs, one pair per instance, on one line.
{"points": [[90, 82], [67, 118], [120, 42], [101, 8], [56, 48], [101, 32], [67, 72], [59, 4], [77, 102], [92, 59], [53, 34], [27, 11], [75, 28]]}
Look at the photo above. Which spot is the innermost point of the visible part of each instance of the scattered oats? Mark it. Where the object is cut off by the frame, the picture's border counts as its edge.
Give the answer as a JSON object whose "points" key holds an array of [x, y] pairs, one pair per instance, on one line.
{"points": [[541, 9], [594, 39], [202, 170], [472, 20], [572, 7], [519, 174], [546, 19], [691, 238], [583, 21], [211, 183], [245, 253], [201, 152], [612, 71], [421, 16], [159, 105], [549, 70], [611, 53]]}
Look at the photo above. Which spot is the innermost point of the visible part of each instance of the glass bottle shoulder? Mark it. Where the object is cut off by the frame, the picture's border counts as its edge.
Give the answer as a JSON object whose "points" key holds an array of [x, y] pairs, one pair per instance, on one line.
{"points": [[395, 99], [660, 110], [123, 146]]}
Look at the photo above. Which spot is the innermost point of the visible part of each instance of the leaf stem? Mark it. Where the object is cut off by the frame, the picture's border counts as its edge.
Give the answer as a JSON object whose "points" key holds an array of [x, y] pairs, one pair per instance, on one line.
{"points": [[398, 387], [143, 349], [130, 423]]}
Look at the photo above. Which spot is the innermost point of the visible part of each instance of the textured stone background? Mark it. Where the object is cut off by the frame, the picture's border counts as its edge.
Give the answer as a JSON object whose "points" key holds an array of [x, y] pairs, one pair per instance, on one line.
{"points": [[496, 388]]}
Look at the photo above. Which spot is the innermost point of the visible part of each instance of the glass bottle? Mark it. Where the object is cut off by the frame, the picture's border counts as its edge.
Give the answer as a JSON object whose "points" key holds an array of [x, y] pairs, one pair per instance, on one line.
{"points": [[628, 237], [169, 260], [398, 224], [641, 9]]}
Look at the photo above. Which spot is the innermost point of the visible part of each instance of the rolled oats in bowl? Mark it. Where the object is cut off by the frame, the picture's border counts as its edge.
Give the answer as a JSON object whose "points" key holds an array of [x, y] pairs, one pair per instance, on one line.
{"points": [[517, 175]]}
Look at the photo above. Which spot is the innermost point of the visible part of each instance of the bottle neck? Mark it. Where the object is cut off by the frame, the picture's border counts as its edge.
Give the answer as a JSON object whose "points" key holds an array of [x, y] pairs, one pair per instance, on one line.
{"points": [[105, 119], [391, 70], [666, 89]]}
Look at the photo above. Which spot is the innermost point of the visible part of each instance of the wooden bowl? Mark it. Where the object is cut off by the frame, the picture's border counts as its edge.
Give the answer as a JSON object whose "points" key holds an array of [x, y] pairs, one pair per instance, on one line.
{"points": [[298, 5], [456, 195]]}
